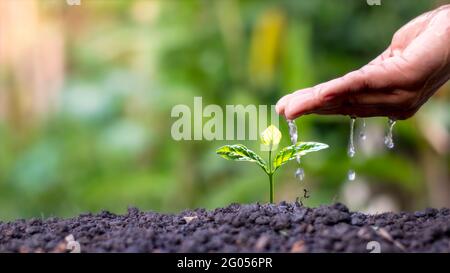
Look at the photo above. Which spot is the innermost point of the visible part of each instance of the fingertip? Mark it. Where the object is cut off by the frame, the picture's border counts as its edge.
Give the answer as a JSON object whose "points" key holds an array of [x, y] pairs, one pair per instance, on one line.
{"points": [[292, 109], [290, 116], [300, 103], [278, 108], [281, 105], [295, 104]]}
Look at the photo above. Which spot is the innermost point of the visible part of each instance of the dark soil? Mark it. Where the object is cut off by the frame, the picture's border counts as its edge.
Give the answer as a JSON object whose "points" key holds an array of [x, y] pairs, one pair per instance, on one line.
{"points": [[236, 228]]}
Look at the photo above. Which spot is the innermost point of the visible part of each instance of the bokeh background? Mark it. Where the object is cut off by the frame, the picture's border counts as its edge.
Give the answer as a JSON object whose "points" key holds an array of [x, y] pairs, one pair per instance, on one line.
{"points": [[86, 94]]}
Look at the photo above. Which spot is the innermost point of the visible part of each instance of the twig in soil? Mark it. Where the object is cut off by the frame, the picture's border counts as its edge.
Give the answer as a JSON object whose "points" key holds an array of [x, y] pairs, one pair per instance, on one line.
{"points": [[299, 199], [305, 193], [385, 235]]}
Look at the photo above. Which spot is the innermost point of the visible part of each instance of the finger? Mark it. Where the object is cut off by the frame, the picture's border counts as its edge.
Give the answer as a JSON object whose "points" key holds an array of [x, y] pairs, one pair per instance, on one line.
{"points": [[284, 101], [358, 111], [323, 95], [307, 100], [281, 104], [303, 101], [387, 75], [352, 89], [392, 98], [366, 112], [398, 104]]}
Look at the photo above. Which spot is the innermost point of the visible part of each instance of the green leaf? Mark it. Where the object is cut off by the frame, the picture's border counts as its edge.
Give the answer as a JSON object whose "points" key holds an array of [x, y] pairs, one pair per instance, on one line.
{"points": [[239, 152], [299, 149]]}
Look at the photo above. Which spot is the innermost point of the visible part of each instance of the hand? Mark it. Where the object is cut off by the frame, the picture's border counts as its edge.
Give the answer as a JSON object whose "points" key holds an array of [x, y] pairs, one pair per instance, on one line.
{"points": [[394, 84]]}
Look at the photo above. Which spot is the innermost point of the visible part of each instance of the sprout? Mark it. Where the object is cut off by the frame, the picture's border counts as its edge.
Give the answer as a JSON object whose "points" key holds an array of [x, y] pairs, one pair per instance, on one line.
{"points": [[270, 138]]}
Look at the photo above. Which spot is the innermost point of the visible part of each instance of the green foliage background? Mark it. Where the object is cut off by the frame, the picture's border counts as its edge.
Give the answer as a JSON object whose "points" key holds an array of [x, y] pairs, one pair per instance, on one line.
{"points": [[108, 144]]}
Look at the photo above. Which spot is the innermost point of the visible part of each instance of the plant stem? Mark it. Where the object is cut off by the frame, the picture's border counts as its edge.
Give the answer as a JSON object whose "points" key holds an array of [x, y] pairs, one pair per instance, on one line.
{"points": [[270, 162], [271, 187], [270, 176]]}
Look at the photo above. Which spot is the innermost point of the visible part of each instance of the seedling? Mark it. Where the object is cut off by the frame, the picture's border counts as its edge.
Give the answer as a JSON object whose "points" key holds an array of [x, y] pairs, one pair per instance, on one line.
{"points": [[270, 138]]}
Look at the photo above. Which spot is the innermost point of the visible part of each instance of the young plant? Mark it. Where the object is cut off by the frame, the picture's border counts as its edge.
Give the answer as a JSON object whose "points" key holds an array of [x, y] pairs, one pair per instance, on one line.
{"points": [[270, 138]]}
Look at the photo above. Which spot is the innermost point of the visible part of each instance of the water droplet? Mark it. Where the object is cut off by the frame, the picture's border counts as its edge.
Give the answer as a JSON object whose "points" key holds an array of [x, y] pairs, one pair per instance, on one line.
{"points": [[305, 194], [388, 139], [300, 173], [351, 175], [362, 133], [298, 159], [351, 147], [293, 133]]}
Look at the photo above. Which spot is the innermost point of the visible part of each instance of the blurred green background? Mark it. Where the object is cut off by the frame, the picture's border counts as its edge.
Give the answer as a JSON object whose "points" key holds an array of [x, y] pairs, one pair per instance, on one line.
{"points": [[86, 94]]}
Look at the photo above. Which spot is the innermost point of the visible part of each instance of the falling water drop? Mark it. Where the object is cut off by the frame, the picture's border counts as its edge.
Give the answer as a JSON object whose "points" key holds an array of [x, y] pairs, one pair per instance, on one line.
{"points": [[300, 173], [351, 147], [351, 175], [362, 132], [388, 139], [293, 133]]}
